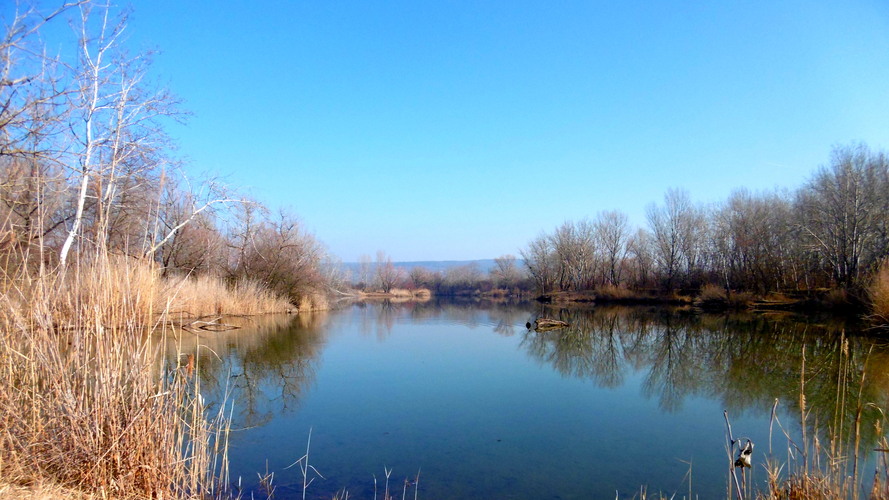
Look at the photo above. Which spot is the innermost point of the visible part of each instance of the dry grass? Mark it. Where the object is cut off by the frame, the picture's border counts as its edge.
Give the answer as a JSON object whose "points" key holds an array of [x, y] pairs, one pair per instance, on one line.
{"points": [[133, 291], [612, 292], [829, 463], [208, 295], [879, 294], [716, 296], [399, 295], [712, 293], [83, 406], [313, 302], [41, 492]]}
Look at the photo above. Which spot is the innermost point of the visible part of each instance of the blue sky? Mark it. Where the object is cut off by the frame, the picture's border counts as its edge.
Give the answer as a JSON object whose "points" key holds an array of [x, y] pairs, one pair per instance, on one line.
{"points": [[460, 130]]}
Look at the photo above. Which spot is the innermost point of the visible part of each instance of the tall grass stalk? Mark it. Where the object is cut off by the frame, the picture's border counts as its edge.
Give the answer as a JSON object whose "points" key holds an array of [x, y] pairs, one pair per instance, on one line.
{"points": [[83, 405], [829, 470], [305, 466]]}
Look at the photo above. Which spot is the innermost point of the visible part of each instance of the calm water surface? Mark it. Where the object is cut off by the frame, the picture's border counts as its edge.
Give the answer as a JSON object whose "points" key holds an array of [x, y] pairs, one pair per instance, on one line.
{"points": [[464, 393]]}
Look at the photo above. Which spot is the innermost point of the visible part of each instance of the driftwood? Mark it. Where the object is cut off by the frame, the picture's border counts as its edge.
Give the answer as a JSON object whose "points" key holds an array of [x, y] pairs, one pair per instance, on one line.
{"points": [[208, 326], [543, 324]]}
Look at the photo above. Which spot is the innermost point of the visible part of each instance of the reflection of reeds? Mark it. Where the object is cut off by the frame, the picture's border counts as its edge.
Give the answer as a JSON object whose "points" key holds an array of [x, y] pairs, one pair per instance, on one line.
{"points": [[268, 357], [825, 462]]}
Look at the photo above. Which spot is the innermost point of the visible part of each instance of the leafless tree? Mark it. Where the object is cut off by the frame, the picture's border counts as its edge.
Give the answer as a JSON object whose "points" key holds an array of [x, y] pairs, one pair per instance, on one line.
{"points": [[421, 277], [844, 211], [242, 231], [33, 87], [186, 235], [505, 272], [575, 248], [749, 241], [677, 232], [388, 276], [640, 250], [285, 258], [612, 232], [364, 270], [117, 123], [541, 262]]}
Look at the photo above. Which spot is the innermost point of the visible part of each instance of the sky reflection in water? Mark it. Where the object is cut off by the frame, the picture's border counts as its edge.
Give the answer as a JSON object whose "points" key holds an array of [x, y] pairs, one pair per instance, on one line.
{"points": [[483, 408]]}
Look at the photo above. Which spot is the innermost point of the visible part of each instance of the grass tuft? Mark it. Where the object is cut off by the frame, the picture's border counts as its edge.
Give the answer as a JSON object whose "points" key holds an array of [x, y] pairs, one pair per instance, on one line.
{"points": [[84, 408]]}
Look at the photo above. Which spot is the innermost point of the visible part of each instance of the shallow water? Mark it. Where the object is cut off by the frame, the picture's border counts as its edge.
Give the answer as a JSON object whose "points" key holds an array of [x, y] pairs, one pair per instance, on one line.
{"points": [[481, 407]]}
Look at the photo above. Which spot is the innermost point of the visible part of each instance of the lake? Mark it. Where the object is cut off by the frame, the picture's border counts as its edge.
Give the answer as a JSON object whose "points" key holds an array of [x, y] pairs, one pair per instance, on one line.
{"points": [[624, 400]]}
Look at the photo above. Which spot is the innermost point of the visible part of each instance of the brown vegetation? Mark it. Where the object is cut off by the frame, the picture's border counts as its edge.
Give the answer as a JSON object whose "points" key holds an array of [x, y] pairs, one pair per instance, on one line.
{"points": [[82, 405], [829, 463], [399, 294], [716, 297], [879, 294], [829, 234], [85, 170], [103, 243]]}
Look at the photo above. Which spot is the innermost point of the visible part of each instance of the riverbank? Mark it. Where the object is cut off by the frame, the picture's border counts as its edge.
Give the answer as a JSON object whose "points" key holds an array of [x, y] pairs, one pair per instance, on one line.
{"points": [[89, 408], [715, 299], [418, 294]]}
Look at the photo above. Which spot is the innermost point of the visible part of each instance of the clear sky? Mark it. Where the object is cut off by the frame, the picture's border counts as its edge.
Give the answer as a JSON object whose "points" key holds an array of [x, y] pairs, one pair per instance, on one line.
{"points": [[448, 130]]}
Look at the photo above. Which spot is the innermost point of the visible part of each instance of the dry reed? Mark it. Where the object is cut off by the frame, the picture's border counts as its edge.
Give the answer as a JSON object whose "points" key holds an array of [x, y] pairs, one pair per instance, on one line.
{"points": [[826, 464], [207, 295], [612, 292], [83, 407], [879, 294]]}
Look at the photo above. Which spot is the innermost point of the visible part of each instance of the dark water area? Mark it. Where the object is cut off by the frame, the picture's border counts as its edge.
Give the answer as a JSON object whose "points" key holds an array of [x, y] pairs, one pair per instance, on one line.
{"points": [[624, 399]]}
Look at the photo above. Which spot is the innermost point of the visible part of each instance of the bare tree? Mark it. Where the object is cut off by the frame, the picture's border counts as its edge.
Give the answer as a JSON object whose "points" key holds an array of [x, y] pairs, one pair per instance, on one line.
{"points": [[186, 235], [749, 241], [242, 235], [640, 249], [677, 232], [421, 277], [612, 232], [286, 258], [117, 122], [388, 276], [541, 263], [843, 211], [505, 272], [575, 249], [364, 270], [463, 278], [32, 87]]}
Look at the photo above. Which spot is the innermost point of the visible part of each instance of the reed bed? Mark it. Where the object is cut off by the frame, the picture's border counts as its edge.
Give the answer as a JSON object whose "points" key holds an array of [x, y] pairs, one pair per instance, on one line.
{"points": [[84, 410], [825, 459], [208, 295], [879, 295]]}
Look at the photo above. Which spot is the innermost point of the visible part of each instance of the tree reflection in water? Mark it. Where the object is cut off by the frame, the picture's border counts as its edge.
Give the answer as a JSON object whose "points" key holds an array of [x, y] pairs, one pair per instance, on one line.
{"points": [[263, 367], [744, 360]]}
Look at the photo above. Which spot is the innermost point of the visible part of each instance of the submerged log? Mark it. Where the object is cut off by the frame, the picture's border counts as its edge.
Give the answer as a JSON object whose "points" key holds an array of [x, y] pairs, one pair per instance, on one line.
{"points": [[548, 324]]}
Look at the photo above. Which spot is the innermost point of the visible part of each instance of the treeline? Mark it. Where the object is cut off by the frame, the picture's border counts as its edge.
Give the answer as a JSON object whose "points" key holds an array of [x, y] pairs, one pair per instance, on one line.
{"points": [[832, 232], [506, 277], [87, 167]]}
